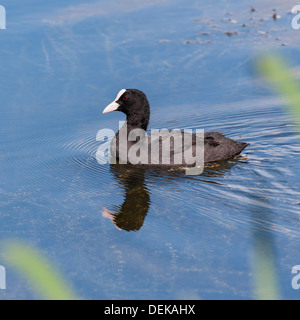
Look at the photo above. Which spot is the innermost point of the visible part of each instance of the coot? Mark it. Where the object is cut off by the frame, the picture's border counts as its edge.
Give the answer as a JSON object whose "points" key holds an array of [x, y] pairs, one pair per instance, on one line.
{"points": [[134, 104]]}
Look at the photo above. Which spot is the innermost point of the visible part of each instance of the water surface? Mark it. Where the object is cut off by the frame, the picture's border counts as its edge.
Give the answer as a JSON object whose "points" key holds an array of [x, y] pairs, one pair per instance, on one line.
{"points": [[129, 233]]}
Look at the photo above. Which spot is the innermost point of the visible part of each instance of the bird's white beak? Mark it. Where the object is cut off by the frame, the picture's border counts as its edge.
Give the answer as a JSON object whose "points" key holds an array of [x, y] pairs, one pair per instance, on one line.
{"points": [[114, 105], [111, 107]]}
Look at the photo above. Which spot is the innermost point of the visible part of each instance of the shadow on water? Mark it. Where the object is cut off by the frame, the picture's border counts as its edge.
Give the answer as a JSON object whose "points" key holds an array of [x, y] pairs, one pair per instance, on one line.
{"points": [[130, 216]]}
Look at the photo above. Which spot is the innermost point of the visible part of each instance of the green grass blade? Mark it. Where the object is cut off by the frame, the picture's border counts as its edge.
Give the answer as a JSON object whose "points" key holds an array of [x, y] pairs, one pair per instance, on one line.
{"points": [[265, 273], [39, 272], [277, 72]]}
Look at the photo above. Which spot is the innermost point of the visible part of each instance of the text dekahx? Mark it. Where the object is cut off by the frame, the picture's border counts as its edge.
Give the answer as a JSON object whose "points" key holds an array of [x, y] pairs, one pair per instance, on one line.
{"points": [[159, 309]]}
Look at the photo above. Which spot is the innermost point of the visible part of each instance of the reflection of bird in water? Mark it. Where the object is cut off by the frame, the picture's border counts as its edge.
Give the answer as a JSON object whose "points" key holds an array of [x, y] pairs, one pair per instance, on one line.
{"points": [[131, 214]]}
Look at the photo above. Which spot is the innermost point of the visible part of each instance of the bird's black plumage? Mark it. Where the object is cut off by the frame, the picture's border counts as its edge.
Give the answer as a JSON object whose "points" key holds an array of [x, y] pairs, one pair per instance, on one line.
{"points": [[134, 104]]}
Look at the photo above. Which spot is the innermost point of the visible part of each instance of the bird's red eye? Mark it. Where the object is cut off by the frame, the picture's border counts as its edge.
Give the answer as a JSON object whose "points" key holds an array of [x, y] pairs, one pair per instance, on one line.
{"points": [[125, 98]]}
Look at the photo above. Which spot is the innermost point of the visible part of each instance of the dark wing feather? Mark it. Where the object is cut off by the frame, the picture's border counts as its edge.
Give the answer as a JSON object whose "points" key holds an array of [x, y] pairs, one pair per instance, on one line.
{"points": [[218, 147]]}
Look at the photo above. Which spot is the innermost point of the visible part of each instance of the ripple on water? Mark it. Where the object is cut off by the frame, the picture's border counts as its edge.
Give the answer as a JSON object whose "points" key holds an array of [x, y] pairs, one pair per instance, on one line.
{"points": [[261, 182], [226, 192], [70, 161]]}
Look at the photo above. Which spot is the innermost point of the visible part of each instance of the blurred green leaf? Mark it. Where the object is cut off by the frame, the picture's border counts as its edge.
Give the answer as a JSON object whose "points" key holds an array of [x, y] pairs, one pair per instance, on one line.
{"points": [[265, 273], [281, 77], [39, 272]]}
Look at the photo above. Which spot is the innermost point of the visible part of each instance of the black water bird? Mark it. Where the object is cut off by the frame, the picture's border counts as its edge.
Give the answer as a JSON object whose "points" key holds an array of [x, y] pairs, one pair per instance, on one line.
{"points": [[134, 104]]}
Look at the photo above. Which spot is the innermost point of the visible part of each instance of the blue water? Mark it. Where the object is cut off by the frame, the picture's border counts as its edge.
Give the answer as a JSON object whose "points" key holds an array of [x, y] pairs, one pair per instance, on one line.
{"points": [[127, 233]]}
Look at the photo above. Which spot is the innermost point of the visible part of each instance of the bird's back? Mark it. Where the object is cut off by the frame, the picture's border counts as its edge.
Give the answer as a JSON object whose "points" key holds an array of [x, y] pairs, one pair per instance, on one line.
{"points": [[179, 148], [218, 147]]}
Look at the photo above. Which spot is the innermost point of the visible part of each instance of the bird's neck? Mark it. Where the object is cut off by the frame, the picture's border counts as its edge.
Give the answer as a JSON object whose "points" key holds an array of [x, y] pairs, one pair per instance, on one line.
{"points": [[131, 125], [137, 122]]}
